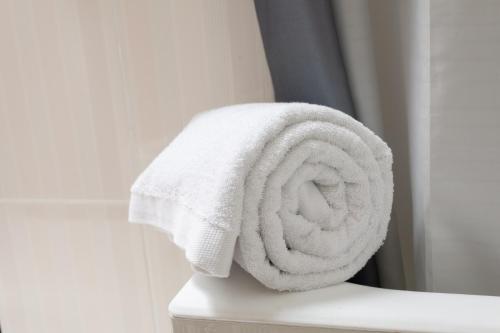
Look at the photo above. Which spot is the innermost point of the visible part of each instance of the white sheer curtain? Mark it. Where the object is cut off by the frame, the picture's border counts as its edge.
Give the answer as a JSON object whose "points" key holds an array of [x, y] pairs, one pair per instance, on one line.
{"points": [[432, 70]]}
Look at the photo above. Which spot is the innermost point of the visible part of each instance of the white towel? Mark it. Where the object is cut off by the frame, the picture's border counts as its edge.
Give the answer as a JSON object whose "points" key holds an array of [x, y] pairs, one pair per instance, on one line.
{"points": [[299, 195]]}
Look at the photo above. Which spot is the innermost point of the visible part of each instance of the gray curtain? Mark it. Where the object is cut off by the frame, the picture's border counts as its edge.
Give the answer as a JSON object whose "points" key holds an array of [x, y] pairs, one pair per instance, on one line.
{"points": [[305, 60]]}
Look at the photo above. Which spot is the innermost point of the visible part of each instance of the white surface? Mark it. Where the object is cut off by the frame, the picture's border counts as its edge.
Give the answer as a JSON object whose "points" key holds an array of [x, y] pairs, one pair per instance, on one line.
{"points": [[241, 298]]}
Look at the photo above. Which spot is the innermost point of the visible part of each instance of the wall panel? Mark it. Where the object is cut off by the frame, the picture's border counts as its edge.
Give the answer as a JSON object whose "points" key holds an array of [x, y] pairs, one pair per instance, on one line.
{"points": [[90, 92]]}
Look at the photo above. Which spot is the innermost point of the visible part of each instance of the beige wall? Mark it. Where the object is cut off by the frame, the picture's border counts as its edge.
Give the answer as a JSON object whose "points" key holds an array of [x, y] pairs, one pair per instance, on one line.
{"points": [[90, 91]]}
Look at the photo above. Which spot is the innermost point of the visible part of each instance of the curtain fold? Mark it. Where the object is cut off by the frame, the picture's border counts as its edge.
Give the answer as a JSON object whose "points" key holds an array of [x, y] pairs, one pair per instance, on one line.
{"points": [[303, 53], [305, 60], [358, 35]]}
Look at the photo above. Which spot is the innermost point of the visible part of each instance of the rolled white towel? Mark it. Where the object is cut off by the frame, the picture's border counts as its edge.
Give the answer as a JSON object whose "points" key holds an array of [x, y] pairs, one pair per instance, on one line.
{"points": [[299, 195]]}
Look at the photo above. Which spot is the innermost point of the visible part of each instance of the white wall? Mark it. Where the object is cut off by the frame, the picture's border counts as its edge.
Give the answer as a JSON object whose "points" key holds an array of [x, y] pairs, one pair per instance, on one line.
{"points": [[90, 92]]}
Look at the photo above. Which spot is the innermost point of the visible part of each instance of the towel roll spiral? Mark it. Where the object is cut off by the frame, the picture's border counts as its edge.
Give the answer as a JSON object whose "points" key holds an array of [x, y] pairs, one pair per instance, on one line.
{"points": [[299, 195]]}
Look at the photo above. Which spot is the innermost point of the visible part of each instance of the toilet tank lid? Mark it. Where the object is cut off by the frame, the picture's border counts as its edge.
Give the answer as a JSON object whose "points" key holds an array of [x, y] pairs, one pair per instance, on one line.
{"points": [[241, 298]]}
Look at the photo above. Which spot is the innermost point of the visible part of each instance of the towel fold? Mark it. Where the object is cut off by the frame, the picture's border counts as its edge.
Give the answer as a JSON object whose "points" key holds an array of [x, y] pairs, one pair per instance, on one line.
{"points": [[298, 194]]}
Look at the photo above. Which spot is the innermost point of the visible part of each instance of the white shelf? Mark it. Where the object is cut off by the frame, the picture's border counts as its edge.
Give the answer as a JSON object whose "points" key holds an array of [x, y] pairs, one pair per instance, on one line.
{"points": [[240, 298]]}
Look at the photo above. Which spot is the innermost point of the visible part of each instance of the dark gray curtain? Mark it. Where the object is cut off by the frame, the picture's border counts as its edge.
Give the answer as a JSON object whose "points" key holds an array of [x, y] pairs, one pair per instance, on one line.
{"points": [[305, 60]]}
